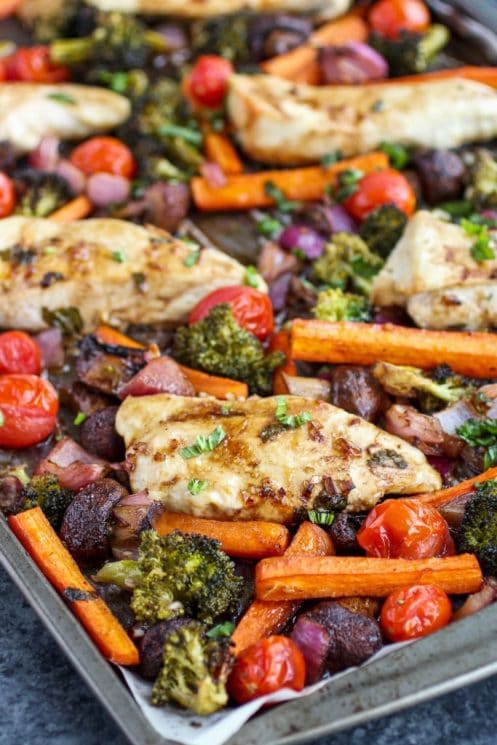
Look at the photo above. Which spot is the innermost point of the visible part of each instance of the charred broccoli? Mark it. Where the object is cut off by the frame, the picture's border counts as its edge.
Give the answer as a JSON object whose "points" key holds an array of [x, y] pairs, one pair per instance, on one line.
{"points": [[174, 575], [195, 670], [483, 187], [39, 193], [218, 345], [46, 492], [478, 531], [409, 382], [411, 53], [336, 305], [347, 263], [382, 228]]}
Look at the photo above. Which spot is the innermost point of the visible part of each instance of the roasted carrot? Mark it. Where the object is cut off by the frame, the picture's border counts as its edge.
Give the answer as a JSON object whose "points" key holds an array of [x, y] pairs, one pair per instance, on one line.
{"points": [[444, 496], [219, 149], [280, 342], [109, 335], [485, 75], [299, 578], [246, 540], [264, 618], [222, 388], [44, 546], [248, 190], [76, 209], [468, 353]]}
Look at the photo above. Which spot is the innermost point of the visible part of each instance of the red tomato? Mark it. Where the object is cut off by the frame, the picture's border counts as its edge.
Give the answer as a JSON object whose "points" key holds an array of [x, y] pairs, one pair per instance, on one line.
{"points": [[104, 155], [8, 7], [28, 410], [390, 17], [265, 667], [33, 65], [405, 529], [251, 308], [3, 70], [378, 188], [19, 353], [415, 611], [7, 196], [208, 81], [29, 390]]}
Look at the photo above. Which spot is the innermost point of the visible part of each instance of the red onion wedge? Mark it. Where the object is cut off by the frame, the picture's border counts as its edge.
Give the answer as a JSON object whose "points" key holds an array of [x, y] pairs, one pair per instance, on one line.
{"points": [[352, 64], [106, 188]]}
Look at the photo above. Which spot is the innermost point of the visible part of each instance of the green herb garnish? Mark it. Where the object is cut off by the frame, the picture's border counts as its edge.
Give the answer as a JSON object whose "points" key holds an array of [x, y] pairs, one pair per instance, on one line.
{"points": [[62, 98], [221, 630], [118, 256], [321, 517], [204, 444], [331, 158], [252, 277], [290, 421], [269, 226], [282, 203], [193, 136], [348, 183], [192, 258], [481, 433], [80, 418], [195, 486], [481, 250], [398, 155]]}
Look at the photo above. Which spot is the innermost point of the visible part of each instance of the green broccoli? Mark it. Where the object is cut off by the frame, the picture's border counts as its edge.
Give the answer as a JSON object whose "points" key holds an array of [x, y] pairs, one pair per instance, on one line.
{"points": [[226, 36], [218, 345], [347, 263], [478, 531], [175, 575], [195, 670], [336, 305], [382, 228], [46, 492], [39, 193], [411, 53], [47, 26], [410, 382], [483, 187]]}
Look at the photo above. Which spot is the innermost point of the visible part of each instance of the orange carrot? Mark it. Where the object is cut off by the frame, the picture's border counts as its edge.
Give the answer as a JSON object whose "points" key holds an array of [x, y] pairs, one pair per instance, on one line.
{"points": [[301, 64], [468, 353], [246, 540], [299, 578], [219, 149], [444, 496], [248, 190], [76, 209], [222, 388], [109, 335], [264, 618], [485, 75], [280, 342], [42, 543]]}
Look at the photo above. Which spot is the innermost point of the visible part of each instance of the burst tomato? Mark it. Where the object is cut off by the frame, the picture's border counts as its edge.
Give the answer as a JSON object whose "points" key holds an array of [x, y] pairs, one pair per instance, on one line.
{"points": [[378, 188], [28, 410], [7, 196], [251, 308], [405, 529], [208, 81], [33, 65], [19, 353], [415, 611], [390, 17], [265, 667], [104, 155]]}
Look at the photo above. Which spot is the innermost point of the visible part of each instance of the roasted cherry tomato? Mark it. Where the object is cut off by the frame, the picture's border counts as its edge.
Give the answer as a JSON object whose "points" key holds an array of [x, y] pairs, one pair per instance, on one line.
{"points": [[378, 188], [415, 611], [19, 353], [405, 529], [390, 17], [7, 196], [251, 308], [265, 667], [28, 410], [33, 65], [29, 390], [208, 81], [104, 155], [8, 8]]}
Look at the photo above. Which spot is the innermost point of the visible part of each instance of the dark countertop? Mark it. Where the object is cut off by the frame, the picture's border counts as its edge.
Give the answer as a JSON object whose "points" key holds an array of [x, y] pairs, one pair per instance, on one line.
{"points": [[42, 700]]}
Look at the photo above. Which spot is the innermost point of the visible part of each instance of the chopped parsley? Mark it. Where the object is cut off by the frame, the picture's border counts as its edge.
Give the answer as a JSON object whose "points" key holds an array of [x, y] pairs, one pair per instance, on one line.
{"points": [[118, 256], [195, 486], [252, 278], [269, 226], [204, 444], [226, 409], [321, 517], [482, 249], [62, 98], [221, 630], [387, 459], [49, 250], [398, 155], [282, 203], [290, 421], [481, 433], [331, 158], [458, 208], [347, 183], [193, 136], [80, 418], [193, 257]]}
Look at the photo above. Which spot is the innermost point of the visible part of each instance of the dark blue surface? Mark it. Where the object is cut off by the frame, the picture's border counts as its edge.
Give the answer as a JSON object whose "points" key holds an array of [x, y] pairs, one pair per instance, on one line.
{"points": [[42, 700]]}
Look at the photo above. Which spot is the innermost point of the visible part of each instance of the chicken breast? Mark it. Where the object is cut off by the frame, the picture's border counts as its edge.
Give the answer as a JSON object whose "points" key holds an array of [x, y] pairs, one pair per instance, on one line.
{"points": [[260, 470], [31, 111], [280, 122], [111, 270], [472, 307]]}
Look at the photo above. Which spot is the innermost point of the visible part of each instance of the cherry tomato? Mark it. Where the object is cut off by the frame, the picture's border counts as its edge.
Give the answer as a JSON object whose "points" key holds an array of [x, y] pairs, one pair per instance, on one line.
{"points": [[29, 390], [405, 529], [8, 8], [208, 81], [3, 70], [19, 353], [381, 187], [33, 65], [28, 409], [390, 17], [104, 155], [265, 667], [7, 196], [415, 611], [251, 308]]}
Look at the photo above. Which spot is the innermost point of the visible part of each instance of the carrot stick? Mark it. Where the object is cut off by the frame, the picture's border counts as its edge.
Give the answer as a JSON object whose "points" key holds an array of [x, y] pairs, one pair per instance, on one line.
{"points": [[280, 342], [444, 496], [44, 546], [76, 209], [301, 64], [299, 578], [222, 388], [485, 75], [468, 353], [218, 148], [264, 618], [246, 540], [248, 190], [109, 335]]}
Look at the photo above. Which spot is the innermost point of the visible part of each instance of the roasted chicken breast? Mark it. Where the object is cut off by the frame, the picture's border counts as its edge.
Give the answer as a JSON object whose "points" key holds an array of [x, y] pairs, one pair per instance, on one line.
{"points": [[31, 111], [280, 122], [110, 270], [261, 469]]}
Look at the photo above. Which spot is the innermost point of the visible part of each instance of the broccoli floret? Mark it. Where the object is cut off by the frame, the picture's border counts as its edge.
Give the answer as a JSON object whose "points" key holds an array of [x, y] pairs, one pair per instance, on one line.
{"points": [[411, 53], [347, 263], [218, 345], [226, 36], [382, 228], [409, 382], [336, 305], [195, 670], [175, 575], [46, 492], [478, 531], [483, 187], [39, 193], [72, 19]]}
